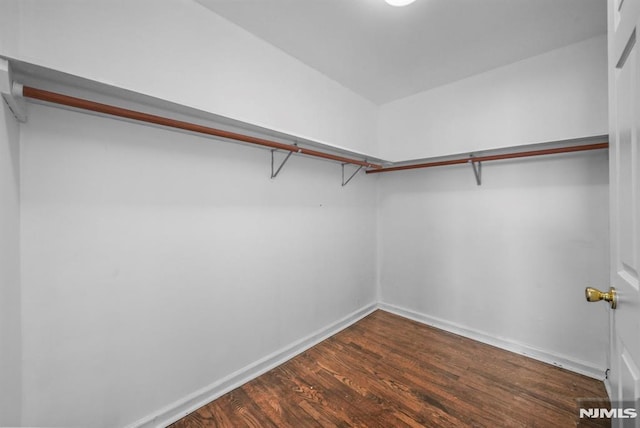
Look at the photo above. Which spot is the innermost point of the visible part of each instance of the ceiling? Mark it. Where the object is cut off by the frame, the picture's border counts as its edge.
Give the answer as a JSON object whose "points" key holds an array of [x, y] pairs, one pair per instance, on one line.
{"points": [[385, 53]]}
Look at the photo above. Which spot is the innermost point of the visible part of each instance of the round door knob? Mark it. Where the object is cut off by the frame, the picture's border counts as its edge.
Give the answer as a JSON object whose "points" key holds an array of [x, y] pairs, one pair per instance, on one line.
{"points": [[595, 295]]}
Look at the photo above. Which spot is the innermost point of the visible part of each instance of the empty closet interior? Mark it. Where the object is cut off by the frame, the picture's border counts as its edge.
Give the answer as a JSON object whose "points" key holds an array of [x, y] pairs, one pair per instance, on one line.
{"points": [[185, 205]]}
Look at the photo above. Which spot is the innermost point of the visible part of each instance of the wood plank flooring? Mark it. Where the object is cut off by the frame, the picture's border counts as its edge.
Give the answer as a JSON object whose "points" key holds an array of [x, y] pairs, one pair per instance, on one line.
{"points": [[388, 371]]}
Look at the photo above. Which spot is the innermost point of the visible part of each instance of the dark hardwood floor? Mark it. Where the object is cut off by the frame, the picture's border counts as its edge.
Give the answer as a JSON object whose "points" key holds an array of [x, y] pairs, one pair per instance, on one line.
{"points": [[387, 371]]}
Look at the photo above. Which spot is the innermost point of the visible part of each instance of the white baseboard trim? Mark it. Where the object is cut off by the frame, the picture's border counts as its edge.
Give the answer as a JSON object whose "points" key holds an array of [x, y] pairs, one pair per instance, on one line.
{"points": [[563, 361], [177, 410]]}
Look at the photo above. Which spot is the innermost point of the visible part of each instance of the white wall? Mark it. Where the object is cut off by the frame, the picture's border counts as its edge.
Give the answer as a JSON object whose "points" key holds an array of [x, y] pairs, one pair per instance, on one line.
{"points": [[554, 96], [180, 51], [156, 263], [10, 339], [506, 262], [9, 27]]}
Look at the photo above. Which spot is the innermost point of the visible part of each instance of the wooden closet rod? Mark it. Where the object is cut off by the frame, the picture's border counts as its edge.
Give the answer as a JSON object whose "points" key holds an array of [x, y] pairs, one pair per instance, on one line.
{"points": [[52, 97], [494, 157], [79, 103]]}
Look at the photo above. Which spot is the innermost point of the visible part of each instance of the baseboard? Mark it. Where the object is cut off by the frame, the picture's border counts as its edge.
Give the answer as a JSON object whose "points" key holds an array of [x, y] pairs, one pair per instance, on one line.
{"points": [[563, 361], [177, 410], [186, 405]]}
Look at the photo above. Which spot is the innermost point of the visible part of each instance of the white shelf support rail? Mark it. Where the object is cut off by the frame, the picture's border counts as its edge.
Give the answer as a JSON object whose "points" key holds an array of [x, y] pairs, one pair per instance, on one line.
{"points": [[12, 92]]}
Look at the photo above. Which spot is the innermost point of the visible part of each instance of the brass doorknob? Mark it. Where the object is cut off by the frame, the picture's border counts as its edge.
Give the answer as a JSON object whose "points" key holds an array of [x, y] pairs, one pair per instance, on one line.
{"points": [[595, 295]]}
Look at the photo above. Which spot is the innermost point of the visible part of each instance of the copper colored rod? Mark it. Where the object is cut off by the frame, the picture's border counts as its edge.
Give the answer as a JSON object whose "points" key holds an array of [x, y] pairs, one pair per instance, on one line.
{"points": [[495, 157], [52, 97]]}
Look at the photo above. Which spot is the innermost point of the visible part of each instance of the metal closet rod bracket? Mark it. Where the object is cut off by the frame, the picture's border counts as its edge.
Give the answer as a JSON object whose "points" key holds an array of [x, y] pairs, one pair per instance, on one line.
{"points": [[344, 183], [477, 170], [275, 172]]}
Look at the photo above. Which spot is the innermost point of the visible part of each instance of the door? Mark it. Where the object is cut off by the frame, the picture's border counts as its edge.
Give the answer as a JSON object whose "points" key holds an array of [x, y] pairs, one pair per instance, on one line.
{"points": [[624, 162]]}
